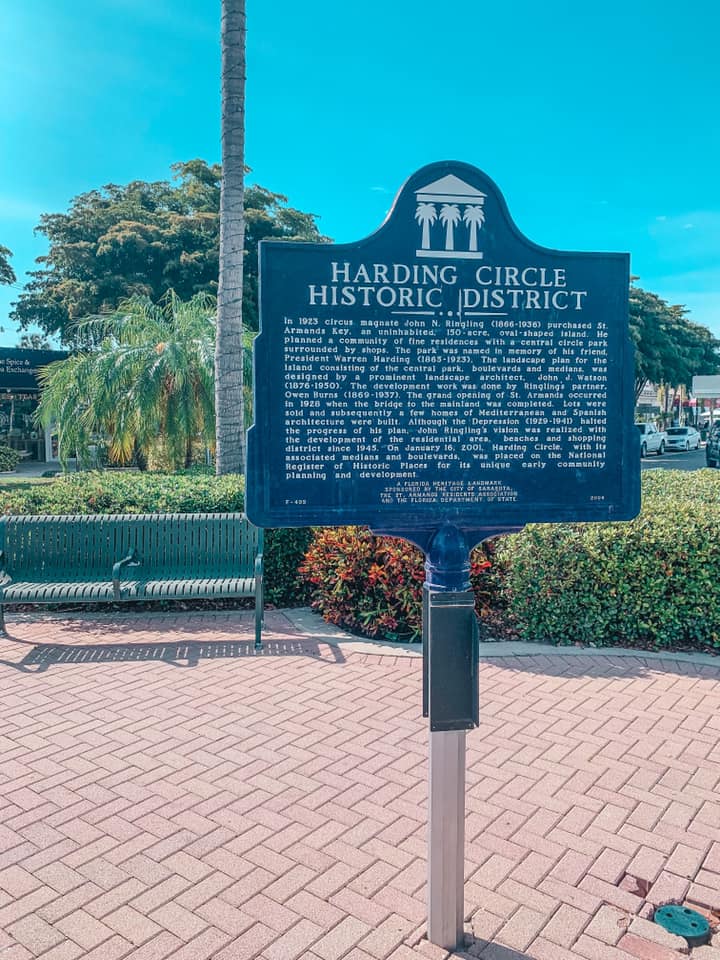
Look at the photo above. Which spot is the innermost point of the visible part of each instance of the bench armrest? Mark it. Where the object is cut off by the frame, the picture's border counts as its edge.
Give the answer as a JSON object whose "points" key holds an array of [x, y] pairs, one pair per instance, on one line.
{"points": [[131, 560], [259, 566], [5, 577]]}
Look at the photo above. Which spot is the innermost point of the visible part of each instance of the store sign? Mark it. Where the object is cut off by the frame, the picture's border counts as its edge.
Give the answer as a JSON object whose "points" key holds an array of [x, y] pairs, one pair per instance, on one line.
{"points": [[443, 370], [18, 368], [706, 387]]}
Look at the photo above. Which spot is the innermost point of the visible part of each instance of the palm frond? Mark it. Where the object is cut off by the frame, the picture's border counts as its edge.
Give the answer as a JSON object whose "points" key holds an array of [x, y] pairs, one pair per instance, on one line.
{"points": [[149, 375]]}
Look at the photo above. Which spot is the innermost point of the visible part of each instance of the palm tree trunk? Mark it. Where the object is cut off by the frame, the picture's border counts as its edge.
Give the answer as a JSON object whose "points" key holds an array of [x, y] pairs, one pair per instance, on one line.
{"points": [[229, 425]]}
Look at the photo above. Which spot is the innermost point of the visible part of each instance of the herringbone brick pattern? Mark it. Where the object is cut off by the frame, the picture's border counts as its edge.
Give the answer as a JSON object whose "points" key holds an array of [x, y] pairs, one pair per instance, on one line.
{"points": [[218, 804]]}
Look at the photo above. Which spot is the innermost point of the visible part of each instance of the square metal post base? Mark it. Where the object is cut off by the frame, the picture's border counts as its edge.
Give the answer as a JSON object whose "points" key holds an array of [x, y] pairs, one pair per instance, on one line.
{"points": [[446, 840]]}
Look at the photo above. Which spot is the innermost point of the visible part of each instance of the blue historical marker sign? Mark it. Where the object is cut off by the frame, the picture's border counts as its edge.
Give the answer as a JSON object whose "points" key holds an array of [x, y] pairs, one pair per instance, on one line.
{"points": [[444, 370]]}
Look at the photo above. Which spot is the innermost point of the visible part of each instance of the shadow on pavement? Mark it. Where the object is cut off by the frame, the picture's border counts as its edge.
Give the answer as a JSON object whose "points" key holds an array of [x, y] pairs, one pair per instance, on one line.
{"points": [[601, 663], [482, 949], [183, 654]]}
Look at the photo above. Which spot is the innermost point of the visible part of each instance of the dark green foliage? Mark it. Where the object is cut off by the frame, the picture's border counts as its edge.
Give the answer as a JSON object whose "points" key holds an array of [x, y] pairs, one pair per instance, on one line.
{"points": [[9, 458], [651, 582], [193, 491], [122, 241], [283, 553], [143, 239]]}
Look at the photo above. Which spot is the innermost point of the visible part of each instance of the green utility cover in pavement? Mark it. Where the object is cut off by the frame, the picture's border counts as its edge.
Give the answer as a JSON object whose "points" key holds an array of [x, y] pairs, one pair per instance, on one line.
{"points": [[684, 922]]}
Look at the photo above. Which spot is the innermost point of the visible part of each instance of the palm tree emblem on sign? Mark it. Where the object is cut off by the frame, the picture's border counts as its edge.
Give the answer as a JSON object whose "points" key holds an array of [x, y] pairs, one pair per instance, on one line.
{"points": [[426, 214], [474, 217], [449, 217], [458, 202]]}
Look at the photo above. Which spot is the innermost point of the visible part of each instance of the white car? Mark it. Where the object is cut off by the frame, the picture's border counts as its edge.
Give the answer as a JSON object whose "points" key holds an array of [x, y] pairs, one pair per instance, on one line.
{"points": [[652, 440], [682, 438]]}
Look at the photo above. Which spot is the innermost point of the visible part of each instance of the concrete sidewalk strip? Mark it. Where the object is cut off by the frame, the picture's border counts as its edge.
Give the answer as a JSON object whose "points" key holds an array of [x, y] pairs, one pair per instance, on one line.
{"points": [[165, 791]]}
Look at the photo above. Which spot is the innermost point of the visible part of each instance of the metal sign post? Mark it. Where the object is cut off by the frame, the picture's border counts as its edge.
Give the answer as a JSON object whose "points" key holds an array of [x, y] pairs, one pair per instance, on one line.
{"points": [[451, 701], [446, 838], [449, 639]]}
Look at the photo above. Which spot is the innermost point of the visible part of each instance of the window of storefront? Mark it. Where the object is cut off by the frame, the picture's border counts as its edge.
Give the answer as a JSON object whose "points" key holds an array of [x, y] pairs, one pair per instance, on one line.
{"points": [[17, 424], [19, 397]]}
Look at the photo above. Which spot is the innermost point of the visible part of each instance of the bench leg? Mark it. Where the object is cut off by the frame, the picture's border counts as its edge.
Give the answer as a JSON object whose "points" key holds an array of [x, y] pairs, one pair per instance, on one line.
{"points": [[2, 620], [259, 613]]}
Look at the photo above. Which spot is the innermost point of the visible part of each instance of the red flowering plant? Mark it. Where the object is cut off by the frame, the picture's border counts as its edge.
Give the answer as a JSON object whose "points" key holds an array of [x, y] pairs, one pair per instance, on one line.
{"points": [[373, 584], [366, 583]]}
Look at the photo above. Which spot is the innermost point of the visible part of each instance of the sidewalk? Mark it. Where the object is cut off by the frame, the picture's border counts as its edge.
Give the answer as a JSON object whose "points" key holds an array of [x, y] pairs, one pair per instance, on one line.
{"points": [[166, 792]]}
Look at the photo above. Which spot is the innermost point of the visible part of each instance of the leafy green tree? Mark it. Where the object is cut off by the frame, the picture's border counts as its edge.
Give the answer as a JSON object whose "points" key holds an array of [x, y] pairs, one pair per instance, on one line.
{"points": [[149, 380], [34, 341], [649, 316], [7, 274], [669, 348], [268, 217], [143, 239]]}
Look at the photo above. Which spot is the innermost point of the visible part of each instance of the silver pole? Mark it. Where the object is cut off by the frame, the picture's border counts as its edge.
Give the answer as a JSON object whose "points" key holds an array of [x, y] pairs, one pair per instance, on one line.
{"points": [[446, 840]]}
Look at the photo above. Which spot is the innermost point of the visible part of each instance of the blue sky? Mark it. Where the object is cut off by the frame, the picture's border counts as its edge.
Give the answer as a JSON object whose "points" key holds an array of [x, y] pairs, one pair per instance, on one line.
{"points": [[599, 122]]}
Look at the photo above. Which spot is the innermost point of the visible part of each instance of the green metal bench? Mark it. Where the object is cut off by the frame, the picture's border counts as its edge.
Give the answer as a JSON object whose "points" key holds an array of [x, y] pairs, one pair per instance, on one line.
{"points": [[103, 558]]}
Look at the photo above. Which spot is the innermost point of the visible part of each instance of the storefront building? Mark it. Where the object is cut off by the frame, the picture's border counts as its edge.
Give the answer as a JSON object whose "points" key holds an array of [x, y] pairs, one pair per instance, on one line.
{"points": [[19, 397]]}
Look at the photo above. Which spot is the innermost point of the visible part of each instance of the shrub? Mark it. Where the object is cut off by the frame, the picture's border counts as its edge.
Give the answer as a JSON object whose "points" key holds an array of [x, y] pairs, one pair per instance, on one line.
{"points": [[369, 584], [680, 485], [192, 491], [128, 492], [283, 553], [9, 458], [649, 582], [373, 584]]}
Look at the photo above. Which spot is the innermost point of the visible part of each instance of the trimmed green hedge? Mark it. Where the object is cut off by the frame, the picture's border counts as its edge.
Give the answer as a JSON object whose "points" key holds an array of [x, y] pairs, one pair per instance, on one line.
{"points": [[650, 582], [193, 491], [128, 492]]}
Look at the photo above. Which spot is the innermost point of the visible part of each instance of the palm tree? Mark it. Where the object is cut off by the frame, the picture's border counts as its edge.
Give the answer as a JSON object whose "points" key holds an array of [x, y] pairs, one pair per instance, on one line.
{"points": [[449, 217], [150, 380], [474, 217], [426, 215], [229, 349]]}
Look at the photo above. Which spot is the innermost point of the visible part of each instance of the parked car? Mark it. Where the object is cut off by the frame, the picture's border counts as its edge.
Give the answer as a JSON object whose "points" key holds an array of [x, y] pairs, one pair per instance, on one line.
{"points": [[682, 438], [712, 448], [652, 440]]}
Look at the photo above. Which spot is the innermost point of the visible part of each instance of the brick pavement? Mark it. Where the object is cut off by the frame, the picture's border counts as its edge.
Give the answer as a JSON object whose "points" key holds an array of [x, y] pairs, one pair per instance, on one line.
{"points": [[210, 803]]}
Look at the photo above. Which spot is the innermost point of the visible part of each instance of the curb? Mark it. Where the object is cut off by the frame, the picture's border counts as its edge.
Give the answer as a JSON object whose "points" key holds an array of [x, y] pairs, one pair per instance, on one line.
{"points": [[310, 623]]}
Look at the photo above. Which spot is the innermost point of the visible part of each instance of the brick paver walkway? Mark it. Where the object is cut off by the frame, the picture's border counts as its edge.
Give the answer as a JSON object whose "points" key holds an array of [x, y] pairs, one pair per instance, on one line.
{"points": [[189, 799]]}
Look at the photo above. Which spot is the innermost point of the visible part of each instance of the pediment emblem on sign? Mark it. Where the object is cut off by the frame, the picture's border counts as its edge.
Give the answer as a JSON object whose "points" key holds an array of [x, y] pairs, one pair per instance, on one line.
{"points": [[451, 215]]}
